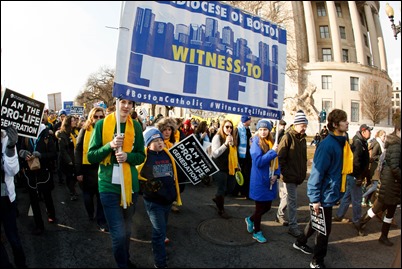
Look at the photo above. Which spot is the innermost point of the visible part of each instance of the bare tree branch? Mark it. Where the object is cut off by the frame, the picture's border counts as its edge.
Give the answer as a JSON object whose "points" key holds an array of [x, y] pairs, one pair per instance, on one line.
{"points": [[375, 100]]}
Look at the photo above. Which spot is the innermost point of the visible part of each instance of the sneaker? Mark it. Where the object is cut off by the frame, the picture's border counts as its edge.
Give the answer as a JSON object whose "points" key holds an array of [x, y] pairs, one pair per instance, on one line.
{"points": [[103, 228], [51, 220], [282, 221], [303, 248], [315, 264], [167, 240], [259, 237], [295, 232], [339, 219], [250, 225]]}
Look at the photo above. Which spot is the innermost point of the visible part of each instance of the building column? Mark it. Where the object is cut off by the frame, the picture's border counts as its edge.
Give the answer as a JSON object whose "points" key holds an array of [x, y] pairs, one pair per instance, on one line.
{"points": [[373, 35], [335, 36], [381, 45], [310, 29], [357, 32]]}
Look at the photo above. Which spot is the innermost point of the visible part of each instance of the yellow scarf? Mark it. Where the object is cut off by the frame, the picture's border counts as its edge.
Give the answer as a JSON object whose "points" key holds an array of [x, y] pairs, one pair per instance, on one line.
{"points": [[233, 161], [73, 139], [87, 137], [177, 135], [109, 125], [168, 144], [176, 181], [274, 162], [347, 167]]}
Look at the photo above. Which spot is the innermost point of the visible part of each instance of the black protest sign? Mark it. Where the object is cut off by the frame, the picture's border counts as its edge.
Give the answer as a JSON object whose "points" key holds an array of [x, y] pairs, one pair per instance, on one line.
{"points": [[21, 111], [318, 220], [192, 159]]}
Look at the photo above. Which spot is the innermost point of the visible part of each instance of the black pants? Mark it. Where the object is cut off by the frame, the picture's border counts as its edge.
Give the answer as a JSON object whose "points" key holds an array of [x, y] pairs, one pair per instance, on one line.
{"points": [[321, 241], [8, 219]]}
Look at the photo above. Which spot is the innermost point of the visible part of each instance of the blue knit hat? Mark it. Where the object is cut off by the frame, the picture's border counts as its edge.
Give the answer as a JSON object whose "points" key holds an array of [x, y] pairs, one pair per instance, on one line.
{"points": [[151, 134], [245, 118], [264, 124]]}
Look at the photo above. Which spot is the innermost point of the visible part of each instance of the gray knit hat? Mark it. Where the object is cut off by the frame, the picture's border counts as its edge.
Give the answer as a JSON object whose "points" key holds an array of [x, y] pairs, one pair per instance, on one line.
{"points": [[300, 118]]}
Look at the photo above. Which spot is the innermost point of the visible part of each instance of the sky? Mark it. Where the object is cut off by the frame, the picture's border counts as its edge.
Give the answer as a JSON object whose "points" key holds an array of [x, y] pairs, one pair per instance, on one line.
{"points": [[52, 47]]}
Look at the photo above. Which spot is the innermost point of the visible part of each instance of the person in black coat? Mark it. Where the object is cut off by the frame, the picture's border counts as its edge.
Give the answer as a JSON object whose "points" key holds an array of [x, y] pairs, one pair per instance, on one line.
{"points": [[40, 182], [87, 173], [389, 195]]}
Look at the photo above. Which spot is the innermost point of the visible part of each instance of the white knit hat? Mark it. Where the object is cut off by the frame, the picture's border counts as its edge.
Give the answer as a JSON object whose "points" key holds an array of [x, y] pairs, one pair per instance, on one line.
{"points": [[300, 118]]}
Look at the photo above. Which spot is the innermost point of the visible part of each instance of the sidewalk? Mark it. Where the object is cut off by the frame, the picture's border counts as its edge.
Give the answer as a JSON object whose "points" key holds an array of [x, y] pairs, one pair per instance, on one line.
{"points": [[199, 238]]}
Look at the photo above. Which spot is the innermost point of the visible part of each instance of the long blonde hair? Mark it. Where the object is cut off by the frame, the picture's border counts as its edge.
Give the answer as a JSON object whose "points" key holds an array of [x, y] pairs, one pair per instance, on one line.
{"points": [[222, 134], [263, 143], [90, 121]]}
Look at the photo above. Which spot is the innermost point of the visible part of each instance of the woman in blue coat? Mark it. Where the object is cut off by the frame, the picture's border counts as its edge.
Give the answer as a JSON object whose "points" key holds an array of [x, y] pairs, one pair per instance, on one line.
{"points": [[264, 175]]}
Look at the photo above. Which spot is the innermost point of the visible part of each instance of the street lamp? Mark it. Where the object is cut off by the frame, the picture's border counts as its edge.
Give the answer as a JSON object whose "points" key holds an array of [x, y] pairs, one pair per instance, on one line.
{"points": [[390, 13]]}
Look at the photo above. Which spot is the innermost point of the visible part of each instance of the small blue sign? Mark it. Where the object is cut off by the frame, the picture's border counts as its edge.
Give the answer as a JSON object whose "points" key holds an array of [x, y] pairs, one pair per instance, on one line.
{"points": [[67, 106]]}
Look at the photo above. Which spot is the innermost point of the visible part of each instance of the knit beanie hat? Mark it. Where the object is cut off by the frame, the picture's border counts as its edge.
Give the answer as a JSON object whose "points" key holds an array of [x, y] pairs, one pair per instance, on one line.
{"points": [[264, 124], [300, 118], [245, 118], [151, 134]]}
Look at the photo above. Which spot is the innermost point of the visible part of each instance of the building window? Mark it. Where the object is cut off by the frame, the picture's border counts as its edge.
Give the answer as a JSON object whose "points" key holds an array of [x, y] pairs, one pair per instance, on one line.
{"points": [[324, 31], [321, 9], [326, 55], [338, 10], [345, 55], [365, 40], [354, 84], [397, 95], [354, 111], [326, 82], [361, 18], [369, 60], [327, 105], [397, 103], [342, 32]]}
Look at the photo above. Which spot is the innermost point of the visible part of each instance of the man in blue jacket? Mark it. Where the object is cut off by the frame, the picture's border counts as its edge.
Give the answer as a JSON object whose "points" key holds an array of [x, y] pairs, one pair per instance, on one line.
{"points": [[326, 183]]}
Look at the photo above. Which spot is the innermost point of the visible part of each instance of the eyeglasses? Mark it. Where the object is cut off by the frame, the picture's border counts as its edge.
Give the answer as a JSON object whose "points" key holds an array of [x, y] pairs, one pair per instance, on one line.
{"points": [[228, 127], [98, 117]]}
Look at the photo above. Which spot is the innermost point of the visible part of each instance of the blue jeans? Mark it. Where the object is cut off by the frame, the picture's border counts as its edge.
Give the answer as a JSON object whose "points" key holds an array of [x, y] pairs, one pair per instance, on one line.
{"points": [[373, 188], [120, 221], [352, 195], [158, 215], [292, 204]]}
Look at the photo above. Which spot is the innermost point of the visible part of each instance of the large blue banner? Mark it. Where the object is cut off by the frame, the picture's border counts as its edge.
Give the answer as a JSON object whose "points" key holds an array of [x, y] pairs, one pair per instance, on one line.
{"points": [[202, 55]]}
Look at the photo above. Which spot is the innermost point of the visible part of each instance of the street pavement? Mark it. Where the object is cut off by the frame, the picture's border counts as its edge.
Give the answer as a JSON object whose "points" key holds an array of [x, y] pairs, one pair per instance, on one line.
{"points": [[199, 238]]}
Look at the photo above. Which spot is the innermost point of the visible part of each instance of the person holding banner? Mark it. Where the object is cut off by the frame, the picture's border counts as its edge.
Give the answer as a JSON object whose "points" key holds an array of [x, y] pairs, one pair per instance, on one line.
{"points": [[264, 176], [8, 205], [224, 154], [160, 189], [333, 160], [117, 144]]}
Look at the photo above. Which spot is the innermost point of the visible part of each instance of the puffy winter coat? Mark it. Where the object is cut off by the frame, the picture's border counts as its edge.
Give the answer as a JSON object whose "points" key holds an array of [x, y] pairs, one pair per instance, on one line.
{"points": [[390, 187]]}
